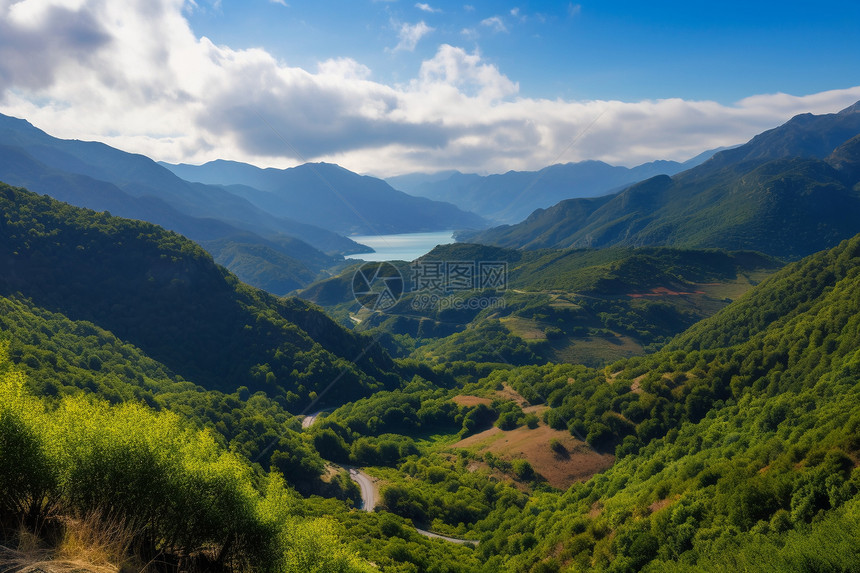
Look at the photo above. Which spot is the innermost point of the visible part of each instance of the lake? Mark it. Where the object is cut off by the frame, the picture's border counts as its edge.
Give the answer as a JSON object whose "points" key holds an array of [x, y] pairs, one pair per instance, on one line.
{"points": [[401, 247]]}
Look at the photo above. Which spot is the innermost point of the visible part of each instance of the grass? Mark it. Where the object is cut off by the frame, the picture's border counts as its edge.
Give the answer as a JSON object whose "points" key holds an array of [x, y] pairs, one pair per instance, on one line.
{"points": [[735, 289], [594, 351], [578, 462], [90, 544]]}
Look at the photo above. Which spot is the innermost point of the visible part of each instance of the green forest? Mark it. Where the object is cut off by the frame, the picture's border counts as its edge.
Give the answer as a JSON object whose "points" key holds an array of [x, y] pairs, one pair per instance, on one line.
{"points": [[151, 410]]}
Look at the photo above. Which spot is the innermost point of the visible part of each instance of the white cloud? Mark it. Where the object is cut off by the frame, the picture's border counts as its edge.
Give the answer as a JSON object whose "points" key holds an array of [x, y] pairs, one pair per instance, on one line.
{"points": [[344, 68], [469, 33], [574, 9], [427, 8], [135, 76], [410, 34], [495, 23], [281, 2]]}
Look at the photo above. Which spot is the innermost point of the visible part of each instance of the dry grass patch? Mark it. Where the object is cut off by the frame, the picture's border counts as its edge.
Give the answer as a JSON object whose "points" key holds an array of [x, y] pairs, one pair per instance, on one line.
{"points": [[579, 463], [470, 401]]}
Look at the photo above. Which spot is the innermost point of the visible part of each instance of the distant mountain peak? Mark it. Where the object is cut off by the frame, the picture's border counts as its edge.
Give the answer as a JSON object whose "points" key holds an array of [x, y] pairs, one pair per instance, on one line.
{"points": [[788, 192], [855, 108]]}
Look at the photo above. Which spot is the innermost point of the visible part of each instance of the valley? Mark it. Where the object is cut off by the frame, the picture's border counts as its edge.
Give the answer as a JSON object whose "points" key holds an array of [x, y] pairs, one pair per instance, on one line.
{"points": [[664, 378]]}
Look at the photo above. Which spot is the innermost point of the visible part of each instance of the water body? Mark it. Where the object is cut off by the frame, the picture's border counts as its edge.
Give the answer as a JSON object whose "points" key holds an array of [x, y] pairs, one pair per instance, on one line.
{"points": [[401, 247]]}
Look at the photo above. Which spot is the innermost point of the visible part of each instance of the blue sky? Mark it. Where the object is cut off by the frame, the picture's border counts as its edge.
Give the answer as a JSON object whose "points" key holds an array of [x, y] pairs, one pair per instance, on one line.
{"points": [[390, 87], [628, 50]]}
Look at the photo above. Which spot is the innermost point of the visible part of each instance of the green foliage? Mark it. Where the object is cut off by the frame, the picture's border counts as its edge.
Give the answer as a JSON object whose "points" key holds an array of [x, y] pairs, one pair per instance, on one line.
{"points": [[523, 470], [489, 341], [172, 486], [440, 493], [164, 294], [58, 355]]}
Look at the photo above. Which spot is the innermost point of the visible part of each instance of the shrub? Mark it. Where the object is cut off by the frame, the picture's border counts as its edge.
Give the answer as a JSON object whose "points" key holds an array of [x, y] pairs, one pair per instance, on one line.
{"points": [[523, 469], [162, 486]]}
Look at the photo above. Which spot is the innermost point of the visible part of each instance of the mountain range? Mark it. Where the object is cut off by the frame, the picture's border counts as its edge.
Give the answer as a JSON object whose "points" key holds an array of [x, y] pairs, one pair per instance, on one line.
{"points": [[788, 192], [510, 197], [331, 196], [274, 248], [148, 397]]}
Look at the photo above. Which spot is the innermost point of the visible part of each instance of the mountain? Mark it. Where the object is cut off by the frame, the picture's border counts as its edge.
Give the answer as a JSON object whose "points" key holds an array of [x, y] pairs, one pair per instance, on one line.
{"points": [[789, 192], [411, 182], [736, 448], [164, 294], [139, 176], [510, 197], [96, 176], [335, 198], [733, 449], [585, 306]]}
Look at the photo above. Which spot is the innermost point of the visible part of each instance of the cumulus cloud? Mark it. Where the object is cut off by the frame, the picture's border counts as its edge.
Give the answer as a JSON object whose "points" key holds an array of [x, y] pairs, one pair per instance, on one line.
{"points": [[135, 76], [39, 41], [410, 34]]}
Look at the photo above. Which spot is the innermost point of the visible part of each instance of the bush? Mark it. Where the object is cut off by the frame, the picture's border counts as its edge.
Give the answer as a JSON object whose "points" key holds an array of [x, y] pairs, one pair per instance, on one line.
{"points": [[523, 470]]}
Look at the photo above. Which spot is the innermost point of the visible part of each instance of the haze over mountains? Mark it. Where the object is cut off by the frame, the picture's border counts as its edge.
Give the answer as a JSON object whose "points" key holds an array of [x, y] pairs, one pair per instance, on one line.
{"points": [[277, 229], [789, 192], [511, 197], [335, 198]]}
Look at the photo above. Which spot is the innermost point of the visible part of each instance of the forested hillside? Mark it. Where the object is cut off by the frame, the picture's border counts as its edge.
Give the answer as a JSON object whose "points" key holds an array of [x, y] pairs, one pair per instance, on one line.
{"points": [[163, 293], [590, 306], [125, 485], [735, 449], [130, 360], [788, 193]]}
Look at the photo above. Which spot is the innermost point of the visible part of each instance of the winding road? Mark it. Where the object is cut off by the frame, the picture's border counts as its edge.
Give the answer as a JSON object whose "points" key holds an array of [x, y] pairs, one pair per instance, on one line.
{"points": [[432, 535], [368, 503], [308, 420], [368, 490]]}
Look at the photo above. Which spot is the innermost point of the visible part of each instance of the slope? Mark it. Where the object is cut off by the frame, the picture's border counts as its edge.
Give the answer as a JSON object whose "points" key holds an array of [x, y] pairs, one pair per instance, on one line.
{"points": [[164, 294], [270, 253], [779, 194], [589, 306], [737, 451], [749, 443]]}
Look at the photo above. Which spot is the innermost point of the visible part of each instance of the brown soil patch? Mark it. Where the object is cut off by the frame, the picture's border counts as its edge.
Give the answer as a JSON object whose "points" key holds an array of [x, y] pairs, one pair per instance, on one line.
{"points": [[331, 471], [536, 410], [508, 393], [560, 471], [663, 291], [660, 504], [596, 509], [636, 385], [469, 401]]}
